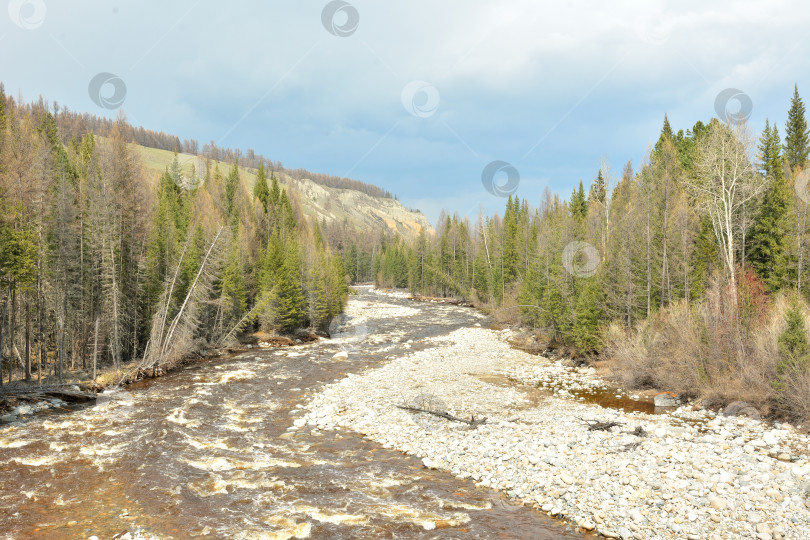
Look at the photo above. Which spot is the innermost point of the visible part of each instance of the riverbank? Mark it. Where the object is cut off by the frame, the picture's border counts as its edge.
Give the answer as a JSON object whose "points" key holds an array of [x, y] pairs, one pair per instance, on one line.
{"points": [[21, 399], [684, 474]]}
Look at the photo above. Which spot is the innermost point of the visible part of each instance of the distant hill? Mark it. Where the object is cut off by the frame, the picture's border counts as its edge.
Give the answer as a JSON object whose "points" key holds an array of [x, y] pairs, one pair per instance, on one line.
{"points": [[319, 201], [322, 196]]}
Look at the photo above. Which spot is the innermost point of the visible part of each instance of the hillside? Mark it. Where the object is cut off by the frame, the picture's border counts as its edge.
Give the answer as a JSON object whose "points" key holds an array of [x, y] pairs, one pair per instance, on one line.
{"points": [[318, 201]]}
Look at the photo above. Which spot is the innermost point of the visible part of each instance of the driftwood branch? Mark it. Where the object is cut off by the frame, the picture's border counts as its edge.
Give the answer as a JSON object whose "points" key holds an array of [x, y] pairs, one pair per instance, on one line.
{"points": [[596, 425], [638, 432], [472, 422]]}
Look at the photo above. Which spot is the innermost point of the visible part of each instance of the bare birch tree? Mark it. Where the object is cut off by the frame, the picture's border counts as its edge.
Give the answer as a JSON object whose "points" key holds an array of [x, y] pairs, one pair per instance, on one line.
{"points": [[724, 183]]}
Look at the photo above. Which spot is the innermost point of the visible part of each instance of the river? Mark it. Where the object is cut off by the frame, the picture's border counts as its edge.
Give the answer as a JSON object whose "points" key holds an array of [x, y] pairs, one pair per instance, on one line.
{"points": [[209, 452]]}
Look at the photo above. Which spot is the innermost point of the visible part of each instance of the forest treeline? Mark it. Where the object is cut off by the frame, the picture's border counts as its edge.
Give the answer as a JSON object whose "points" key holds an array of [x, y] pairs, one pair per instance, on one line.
{"points": [[75, 125], [691, 272], [102, 264]]}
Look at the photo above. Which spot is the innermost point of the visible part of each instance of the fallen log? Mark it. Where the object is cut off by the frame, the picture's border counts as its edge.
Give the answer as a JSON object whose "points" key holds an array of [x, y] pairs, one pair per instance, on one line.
{"points": [[435, 299], [472, 422], [14, 390], [71, 396], [39, 393]]}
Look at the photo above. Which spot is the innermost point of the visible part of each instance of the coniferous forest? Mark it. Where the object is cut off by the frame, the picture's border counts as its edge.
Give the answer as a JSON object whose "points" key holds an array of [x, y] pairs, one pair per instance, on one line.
{"points": [[689, 274], [101, 266]]}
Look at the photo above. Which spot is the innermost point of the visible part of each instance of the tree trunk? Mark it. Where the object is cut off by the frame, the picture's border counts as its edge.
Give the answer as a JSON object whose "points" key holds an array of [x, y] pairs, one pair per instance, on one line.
{"points": [[41, 338], [665, 293], [95, 350], [27, 339], [60, 339], [649, 261], [2, 335], [11, 330]]}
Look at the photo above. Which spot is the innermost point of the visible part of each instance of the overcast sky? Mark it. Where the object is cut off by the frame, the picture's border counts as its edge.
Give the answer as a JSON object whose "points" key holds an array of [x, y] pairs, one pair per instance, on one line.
{"points": [[416, 96]]}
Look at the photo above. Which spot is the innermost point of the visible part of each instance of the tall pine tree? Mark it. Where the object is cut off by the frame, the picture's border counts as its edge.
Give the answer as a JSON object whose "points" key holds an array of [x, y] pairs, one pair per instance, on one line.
{"points": [[260, 190], [768, 253], [797, 141]]}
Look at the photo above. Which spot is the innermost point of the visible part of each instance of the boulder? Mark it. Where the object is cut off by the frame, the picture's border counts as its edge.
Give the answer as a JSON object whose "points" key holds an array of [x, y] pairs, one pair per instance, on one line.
{"points": [[667, 399], [741, 408], [341, 356]]}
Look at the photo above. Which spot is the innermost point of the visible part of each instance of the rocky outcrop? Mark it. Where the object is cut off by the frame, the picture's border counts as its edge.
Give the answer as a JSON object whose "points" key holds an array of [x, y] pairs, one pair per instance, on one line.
{"points": [[333, 204]]}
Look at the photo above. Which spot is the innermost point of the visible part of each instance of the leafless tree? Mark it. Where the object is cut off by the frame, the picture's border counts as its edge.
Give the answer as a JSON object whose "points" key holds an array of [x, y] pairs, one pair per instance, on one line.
{"points": [[724, 183]]}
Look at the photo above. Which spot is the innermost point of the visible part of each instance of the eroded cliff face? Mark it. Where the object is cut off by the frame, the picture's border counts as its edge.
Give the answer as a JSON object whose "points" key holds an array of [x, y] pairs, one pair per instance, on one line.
{"points": [[365, 211]]}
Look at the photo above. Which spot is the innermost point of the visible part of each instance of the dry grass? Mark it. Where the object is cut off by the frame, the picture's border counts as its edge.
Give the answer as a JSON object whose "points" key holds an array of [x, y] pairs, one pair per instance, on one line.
{"points": [[705, 351]]}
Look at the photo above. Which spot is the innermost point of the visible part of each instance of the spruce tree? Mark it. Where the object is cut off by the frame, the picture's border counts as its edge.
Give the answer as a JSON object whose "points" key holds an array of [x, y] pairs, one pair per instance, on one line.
{"points": [[483, 278], [666, 130], [770, 232], [260, 190], [510, 237], [190, 263], [555, 313], [275, 190], [232, 286], [287, 221], [666, 135], [599, 189], [291, 306], [338, 291], [318, 281], [18, 256], [794, 348], [588, 314], [317, 292], [529, 297], [175, 171], [797, 140], [231, 184], [579, 206]]}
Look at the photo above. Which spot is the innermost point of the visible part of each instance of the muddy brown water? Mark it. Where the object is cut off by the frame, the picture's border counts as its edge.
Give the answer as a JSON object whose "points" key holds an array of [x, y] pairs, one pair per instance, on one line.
{"points": [[207, 452]]}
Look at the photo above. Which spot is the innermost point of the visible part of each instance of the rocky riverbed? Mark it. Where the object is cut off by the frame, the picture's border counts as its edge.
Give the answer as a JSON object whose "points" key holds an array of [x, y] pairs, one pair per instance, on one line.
{"points": [[682, 474], [207, 452]]}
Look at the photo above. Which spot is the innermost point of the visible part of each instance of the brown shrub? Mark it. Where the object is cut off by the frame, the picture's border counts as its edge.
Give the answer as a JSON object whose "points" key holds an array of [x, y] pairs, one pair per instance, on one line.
{"points": [[714, 351]]}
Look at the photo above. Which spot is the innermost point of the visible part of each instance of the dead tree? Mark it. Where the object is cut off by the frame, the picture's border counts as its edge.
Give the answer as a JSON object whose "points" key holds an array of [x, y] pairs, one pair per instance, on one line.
{"points": [[168, 344], [472, 422]]}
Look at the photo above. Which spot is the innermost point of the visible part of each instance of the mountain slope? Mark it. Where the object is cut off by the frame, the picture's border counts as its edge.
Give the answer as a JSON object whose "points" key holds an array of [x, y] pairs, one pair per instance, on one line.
{"points": [[318, 202]]}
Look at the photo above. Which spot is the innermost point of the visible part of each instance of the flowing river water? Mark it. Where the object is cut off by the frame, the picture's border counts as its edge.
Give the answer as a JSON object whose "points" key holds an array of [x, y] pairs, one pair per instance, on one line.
{"points": [[208, 452]]}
